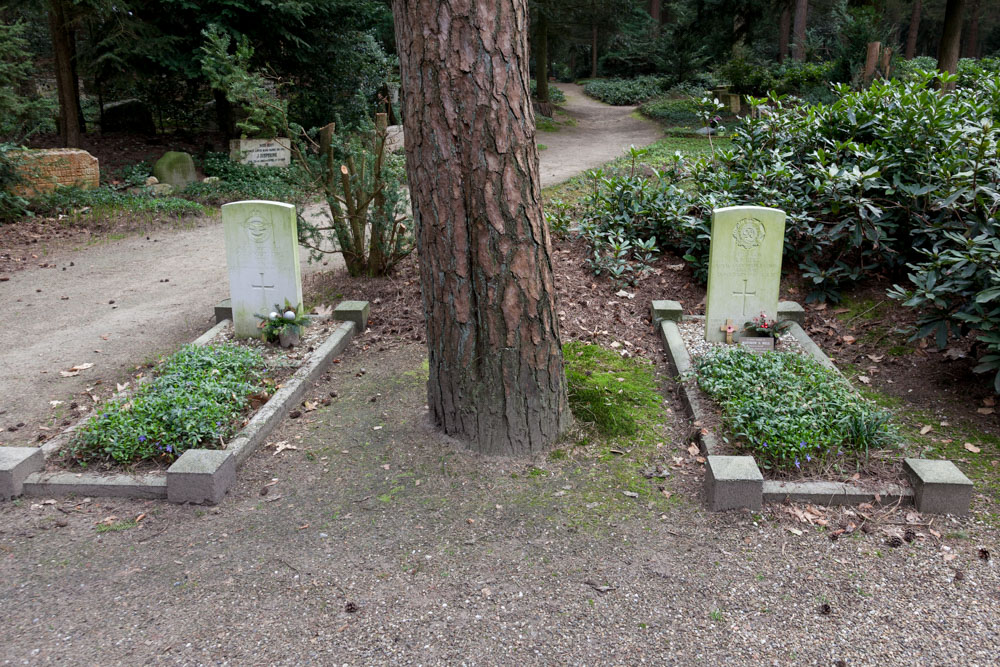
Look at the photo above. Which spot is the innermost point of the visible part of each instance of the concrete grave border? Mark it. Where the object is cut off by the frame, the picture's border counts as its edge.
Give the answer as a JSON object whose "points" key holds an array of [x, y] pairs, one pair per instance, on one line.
{"points": [[199, 475], [733, 482]]}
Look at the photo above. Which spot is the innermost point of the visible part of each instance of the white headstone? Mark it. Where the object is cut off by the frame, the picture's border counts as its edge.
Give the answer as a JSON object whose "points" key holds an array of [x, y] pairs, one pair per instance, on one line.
{"points": [[744, 267], [262, 252], [275, 152]]}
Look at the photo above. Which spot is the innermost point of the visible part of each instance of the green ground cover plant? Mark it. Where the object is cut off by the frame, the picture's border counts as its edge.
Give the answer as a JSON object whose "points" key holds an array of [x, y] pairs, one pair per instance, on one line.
{"points": [[239, 181], [625, 92], [789, 411], [673, 111], [195, 399], [106, 202]]}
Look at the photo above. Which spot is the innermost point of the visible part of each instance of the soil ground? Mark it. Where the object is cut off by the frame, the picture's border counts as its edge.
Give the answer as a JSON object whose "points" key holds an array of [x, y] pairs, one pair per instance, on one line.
{"points": [[380, 541]]}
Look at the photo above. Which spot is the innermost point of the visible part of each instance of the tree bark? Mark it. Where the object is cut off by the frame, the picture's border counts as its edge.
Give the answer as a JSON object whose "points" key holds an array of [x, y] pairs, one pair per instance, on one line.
{"points": [[911, 35], [799, 44], [656, 13], [496, 379], [67, 84], [784, 31], [970, 46], [951, 37], [593, 52]]}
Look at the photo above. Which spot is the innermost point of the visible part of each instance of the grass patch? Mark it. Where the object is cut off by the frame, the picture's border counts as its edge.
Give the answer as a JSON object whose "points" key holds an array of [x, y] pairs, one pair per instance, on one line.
{"points": [[607, 391], [104, 203], [117, 526], [195, 399], [789, 411]]}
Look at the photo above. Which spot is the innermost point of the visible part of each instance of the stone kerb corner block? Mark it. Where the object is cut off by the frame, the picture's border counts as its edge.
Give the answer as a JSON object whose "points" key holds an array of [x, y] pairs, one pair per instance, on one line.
{"points": [[16, 463], [939, 487], [790, 310], [353, 311], [201, 476], [666, 310], [733, 482]]}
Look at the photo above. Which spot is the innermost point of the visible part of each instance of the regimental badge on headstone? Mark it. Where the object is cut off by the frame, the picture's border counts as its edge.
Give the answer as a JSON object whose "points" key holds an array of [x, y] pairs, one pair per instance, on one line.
{"points": [[262, 252], [744, 267]]}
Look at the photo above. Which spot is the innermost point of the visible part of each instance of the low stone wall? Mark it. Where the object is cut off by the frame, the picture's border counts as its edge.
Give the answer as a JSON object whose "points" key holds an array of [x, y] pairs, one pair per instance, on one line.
{"points": [[46, 169]]}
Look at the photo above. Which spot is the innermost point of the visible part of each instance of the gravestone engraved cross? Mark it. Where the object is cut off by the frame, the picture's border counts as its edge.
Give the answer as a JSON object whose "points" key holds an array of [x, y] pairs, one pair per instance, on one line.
{"points": [[263, 291], [744, 267], [261, 240], [745, 293]]}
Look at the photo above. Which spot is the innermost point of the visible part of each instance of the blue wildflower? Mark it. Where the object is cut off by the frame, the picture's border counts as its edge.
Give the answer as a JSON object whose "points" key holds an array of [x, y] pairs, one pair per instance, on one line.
{"points": [[142, 438], [797, 464], [808, 458], [169, 449]]}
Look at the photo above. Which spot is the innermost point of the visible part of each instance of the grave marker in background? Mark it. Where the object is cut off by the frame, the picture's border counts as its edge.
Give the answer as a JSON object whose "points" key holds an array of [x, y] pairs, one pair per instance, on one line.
{"points": [[744, 267], [275, 152], [262, 252]]}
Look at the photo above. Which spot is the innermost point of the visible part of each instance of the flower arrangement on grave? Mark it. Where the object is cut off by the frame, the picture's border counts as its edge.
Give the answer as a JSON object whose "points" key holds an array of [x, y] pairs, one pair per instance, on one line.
{"points": [[284, 324], [762, 327]]}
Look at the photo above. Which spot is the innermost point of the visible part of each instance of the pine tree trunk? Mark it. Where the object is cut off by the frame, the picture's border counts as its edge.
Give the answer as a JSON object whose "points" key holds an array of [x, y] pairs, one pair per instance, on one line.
{"points": [[67, 85], [951, 37], [799, 35], [911, 35], [496, 376], [656, 13], [784, 31], [542, 63], [970, 46], [593, 52]]}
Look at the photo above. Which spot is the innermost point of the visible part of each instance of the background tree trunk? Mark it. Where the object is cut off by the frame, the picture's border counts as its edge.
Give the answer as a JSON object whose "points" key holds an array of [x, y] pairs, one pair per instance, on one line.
{"points": [[951, 36], [593, 51], [496, 370], [656, 13], [970, 46], [542, 64], [784, 31], [911, 35], [799, 36], [67, 83]]}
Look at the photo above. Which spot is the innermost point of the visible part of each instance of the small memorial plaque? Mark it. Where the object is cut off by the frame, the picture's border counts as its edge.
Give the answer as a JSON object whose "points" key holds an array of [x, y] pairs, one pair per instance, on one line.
{"points": [[758, 344], [261, 152]]}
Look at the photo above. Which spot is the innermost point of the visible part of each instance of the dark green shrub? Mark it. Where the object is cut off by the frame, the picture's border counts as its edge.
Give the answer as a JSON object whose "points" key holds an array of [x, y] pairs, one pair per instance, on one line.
{"points": [[893, 179], [106, 201], [243, 181], [788, 410], [672, 111], [625, 92], [12, 206], [556, 96], [195, 399]]}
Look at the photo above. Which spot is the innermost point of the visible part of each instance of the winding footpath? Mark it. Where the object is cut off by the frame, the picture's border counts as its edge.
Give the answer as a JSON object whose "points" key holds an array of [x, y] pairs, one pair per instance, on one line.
{"points": [[117, 304]]}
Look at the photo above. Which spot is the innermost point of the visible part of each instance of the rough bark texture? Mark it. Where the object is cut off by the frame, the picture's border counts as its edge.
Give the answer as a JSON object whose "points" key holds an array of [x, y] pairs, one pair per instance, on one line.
{"points": [[496, 371], [951, 36], [67, 86], [784, 31], [656, 13], [799, 36], [911, 35]]}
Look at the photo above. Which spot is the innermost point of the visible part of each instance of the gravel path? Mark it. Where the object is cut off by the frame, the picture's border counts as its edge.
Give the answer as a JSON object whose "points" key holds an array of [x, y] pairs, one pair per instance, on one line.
{"points": [[389, 546]]}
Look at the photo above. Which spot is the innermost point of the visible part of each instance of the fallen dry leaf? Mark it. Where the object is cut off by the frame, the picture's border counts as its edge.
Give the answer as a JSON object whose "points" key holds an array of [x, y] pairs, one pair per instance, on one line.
{"points": [[848, 339], [971, 447], [82, 367], [864, 379], [309, 406], [876, 357], [926, 429], [693, 450], [794, 531], [281, 446], [985, 411], [989, 402]]}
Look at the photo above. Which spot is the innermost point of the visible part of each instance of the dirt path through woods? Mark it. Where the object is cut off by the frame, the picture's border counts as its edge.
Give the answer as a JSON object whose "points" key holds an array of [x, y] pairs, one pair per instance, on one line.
{"points": [[116, 304]]}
